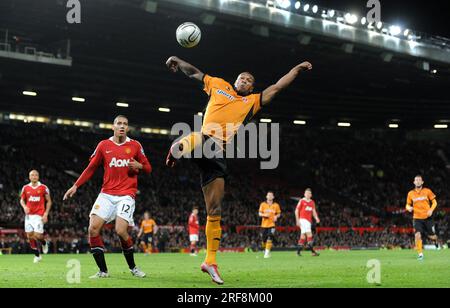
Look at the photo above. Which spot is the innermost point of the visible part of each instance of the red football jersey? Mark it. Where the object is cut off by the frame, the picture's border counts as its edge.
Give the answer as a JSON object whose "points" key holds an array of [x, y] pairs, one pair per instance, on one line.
{"points": [[305, 209], [118, 179], [35, 198], [194, 227]]}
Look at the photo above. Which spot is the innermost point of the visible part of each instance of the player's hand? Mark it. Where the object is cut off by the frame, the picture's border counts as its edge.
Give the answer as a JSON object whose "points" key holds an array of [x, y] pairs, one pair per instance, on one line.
{"points": [[318, 221], [172, 64], [45, 218], [134, 165], [70, 193], [409, 209], [305, 66], [430, 213], [26, 210]]}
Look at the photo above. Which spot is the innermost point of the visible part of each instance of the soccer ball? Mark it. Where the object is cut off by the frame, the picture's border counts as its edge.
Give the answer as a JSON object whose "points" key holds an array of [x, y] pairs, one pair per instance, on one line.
{"points": [[188, 35]]}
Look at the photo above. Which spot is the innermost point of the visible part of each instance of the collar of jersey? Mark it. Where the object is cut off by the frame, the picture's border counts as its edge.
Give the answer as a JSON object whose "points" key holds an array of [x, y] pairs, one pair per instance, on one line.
{"points": [[38, 184], [119, 144]]}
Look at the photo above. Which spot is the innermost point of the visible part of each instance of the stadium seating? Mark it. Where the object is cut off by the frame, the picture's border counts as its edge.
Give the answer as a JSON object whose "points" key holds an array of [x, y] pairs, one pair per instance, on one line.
{"points": [[348, 185]]}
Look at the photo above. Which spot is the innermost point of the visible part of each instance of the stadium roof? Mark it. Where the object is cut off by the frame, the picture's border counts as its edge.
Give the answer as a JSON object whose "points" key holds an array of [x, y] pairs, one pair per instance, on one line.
{"points": [[119, 49]]}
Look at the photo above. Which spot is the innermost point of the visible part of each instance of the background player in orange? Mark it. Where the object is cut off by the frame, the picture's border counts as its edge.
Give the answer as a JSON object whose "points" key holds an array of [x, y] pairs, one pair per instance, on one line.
{"points": [[305, 211], [36, 203], [122, 159], [194, 230], [422, 201], [270, 212], [148, 229], [229, 105]]}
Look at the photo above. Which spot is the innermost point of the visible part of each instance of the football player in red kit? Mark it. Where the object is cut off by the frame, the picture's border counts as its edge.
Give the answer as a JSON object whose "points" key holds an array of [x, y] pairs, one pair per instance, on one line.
{"points": [[194, 230], [36, 203], [122, 159], [305, 211]]}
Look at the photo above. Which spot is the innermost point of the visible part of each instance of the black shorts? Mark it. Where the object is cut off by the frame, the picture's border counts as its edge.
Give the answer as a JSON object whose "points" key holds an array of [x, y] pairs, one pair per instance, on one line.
{"points": [[147, 238], [212, 168], [268, 233], [425, 227]]}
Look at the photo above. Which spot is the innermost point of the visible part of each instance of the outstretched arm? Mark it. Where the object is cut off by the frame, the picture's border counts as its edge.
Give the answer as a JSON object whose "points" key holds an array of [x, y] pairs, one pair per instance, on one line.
{"points": [[269, 94], [96, 160], [175, 63]]}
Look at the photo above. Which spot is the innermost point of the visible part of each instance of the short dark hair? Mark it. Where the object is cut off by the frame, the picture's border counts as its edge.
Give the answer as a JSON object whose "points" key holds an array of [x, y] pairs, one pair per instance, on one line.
{"points": [[248, 73], [195, 208], [308, 189], [419, 176], [271, 192], [120, 116]]}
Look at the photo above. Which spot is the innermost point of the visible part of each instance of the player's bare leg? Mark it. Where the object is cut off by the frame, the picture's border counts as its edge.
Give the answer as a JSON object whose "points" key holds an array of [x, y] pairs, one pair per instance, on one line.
{"points": [[34, 247], [97, 246], [127, 247], [213, 194], [419, 245]]}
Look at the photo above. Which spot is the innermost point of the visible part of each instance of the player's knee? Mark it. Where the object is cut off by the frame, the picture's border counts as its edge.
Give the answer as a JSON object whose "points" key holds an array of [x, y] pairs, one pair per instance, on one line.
{"points": [[123, 233], [94, 231], [214, 209]]}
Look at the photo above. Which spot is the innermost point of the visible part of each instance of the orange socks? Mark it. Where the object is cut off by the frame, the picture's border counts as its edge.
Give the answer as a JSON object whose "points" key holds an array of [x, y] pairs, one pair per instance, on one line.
{"points": [[419, 246], [269, 246], [213, 235]]}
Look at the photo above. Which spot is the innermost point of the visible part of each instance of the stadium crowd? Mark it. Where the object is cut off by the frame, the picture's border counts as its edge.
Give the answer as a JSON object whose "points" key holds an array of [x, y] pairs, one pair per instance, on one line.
{"points": [[365, 187]]}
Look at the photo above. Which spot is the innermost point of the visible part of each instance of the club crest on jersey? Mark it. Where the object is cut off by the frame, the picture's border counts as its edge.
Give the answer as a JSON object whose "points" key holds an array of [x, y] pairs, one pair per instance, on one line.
{"points": [[245, 100], [96, 206], [127, 150], [119, 163]]}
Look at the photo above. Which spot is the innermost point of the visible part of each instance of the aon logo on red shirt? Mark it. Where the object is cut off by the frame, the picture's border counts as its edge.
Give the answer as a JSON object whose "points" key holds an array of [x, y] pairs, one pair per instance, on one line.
{"points": [[119, 162], [309, 209], [34, 199]]}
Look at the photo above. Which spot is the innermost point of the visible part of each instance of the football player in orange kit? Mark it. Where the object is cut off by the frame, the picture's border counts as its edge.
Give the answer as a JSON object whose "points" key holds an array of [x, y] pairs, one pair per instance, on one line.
{"points": [[422, 202], [229, 106]]}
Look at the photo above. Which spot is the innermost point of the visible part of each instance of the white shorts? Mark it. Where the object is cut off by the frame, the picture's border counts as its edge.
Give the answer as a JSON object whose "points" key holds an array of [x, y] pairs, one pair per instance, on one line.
{"points": [[193, 237], [109, 207], [33, 223], [305, 226]]}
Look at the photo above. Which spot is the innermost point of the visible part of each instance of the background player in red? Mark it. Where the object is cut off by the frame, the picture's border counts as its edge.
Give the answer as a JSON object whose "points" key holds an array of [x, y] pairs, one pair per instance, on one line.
{"points": [[122, 159], [305, 211], [36, 203], [194, 231]]}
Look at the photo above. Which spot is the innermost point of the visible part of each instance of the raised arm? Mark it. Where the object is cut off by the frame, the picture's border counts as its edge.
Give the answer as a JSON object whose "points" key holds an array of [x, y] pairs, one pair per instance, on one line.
{"points": [[269, 94], [174, 64]]}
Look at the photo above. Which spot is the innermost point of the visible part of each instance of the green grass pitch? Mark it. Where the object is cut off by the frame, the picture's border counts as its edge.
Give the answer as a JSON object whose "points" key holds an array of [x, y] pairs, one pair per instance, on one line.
{"points": [[239, 270]]}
